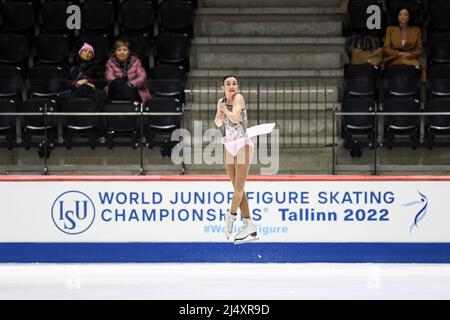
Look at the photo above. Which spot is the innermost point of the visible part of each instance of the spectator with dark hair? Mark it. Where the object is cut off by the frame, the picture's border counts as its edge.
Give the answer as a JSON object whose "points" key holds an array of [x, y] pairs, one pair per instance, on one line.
{"points": [[125, 75], [403, 43]]}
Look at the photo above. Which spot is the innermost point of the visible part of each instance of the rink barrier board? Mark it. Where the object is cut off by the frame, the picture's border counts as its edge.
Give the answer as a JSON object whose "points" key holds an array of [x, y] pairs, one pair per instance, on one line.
{"points": [[192, 252], [225, 252], [137, 178]]}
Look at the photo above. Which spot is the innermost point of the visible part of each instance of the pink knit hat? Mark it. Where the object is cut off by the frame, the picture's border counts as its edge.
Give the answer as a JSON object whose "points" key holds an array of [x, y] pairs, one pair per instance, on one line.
{"points": [[86, 46]]}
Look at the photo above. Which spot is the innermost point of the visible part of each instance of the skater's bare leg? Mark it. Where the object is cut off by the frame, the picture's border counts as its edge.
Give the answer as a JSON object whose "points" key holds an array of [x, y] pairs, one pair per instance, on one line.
{"points": [[231, 171], [242, 167]]}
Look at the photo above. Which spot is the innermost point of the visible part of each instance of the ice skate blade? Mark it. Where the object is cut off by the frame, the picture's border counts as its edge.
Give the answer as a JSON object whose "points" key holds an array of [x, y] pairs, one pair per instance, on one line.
{"points": [[247, 239]]}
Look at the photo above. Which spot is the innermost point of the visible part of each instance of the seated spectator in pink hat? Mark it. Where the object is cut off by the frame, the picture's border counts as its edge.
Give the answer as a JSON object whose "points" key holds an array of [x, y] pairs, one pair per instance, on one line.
{"points": [[125, 75], [85, 68], [83, 73]]}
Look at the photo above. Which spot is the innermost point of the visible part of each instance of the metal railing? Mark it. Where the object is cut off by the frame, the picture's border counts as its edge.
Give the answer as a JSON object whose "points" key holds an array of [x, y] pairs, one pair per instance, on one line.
{"points": [[306, 113], [302, 110]]}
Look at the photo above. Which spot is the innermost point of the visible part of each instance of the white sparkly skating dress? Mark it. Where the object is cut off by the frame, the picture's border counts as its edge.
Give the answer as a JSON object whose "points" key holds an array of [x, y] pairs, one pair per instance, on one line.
{"points": [[237, 135]]}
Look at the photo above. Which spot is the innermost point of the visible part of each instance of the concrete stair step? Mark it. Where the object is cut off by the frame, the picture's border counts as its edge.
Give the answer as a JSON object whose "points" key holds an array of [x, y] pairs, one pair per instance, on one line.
{"points": [[262, 61], [269, 92], [262, 75], [267, 3], [230, 28], [312, 45], [294, 14], [237, 42], [268, 11]]}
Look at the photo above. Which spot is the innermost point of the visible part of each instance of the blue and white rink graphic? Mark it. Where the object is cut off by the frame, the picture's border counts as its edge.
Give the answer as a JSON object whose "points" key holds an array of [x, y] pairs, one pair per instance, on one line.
{"points": [[165, 219]]}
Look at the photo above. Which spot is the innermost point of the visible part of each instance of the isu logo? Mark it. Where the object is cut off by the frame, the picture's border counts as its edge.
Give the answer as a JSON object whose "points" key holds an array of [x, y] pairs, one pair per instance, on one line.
{"points": [[73, 212]]}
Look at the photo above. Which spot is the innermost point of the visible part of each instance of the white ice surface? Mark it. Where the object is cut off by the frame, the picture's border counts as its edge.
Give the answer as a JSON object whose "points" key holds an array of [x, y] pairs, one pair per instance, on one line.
{"points": [[224, 281]]}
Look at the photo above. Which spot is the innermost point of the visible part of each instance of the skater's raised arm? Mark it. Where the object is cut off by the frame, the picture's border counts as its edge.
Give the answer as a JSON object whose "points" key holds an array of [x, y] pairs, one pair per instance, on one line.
{"points": [[235, 114], [220, 116]]}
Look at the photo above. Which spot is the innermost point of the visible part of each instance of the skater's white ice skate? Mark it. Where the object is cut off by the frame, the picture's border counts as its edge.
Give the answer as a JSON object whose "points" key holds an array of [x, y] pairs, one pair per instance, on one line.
{"points": [[229, 222], [247, 233]]}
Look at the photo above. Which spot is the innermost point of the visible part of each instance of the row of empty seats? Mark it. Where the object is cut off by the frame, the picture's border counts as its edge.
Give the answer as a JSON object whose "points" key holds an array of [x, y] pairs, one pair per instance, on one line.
{"points": [[56, 44], [400, 91], [395, 80], [97, 16], [37, 126], [359, 130]]}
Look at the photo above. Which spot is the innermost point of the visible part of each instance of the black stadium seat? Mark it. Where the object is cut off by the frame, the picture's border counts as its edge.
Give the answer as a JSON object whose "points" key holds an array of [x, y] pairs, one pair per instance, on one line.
{"points": [[402, 80], [438, 15], [97, 16], [54, 17], [8, 123], [361, 80], [401, 125], [439, 47], [164, 122], [194, 3], [122, 126], [10, 82], [17, 17], [51, 49], [167, 80], [176, 16], [46, 81], [158, 129], [358, 130], [14, 50], [439, 80], [137, 17], [437, 125], [173, 48], [79, 125]]}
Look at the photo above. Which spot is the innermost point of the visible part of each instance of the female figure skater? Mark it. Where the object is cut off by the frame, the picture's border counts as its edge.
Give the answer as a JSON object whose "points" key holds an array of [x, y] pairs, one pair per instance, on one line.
{"points": [[238, 154]]}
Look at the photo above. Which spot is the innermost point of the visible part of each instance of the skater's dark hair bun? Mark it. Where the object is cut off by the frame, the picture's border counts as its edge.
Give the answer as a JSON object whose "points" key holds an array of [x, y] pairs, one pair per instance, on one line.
{"points": [[229, 76]]}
